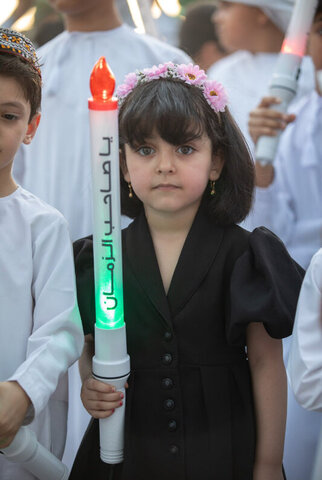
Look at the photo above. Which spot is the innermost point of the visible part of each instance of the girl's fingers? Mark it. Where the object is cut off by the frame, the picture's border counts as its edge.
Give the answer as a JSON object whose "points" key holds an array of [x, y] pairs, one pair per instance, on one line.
{"points": [[105, 406], [100, 414], [92, 384]]}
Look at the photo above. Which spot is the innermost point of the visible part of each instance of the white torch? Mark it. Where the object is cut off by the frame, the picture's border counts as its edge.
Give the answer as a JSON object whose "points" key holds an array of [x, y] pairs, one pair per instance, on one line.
{"points": [[287, 71], [34, 457], [111, 363]]}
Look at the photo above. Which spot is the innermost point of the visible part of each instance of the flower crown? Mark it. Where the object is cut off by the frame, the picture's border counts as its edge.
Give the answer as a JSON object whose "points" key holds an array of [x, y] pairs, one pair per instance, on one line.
{"points": [[213, 91]]}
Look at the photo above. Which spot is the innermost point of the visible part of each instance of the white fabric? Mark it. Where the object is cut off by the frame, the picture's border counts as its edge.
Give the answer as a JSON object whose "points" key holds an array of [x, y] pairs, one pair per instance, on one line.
{"points": [[292, 208], [292, 205], [246, 78], [305, 359], [279, 11], [40, 327], [56, 166]]}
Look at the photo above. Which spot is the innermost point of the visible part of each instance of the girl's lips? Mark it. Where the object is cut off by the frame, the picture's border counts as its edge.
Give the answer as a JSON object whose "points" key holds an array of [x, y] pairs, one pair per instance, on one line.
{"points": [[165, 186]]}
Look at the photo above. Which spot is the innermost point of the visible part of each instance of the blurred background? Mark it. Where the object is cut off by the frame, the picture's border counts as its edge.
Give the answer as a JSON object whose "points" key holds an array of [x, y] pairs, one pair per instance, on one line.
{"points": [[40, 22]]}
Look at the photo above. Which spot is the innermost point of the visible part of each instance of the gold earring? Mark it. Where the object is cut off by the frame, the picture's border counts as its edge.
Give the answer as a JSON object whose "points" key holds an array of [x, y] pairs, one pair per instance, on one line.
{"points": [[130, 190], [212, 187]]}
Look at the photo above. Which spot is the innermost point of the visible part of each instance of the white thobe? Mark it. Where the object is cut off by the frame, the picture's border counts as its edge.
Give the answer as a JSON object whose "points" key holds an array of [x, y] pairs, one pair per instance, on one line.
{"points": [[292, 208], [305, 359], [40, 327], [56, 166], [246, 78], [292, 205]]}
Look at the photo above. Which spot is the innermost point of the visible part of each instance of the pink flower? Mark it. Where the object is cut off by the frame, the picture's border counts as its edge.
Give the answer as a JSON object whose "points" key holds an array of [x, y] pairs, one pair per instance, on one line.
{"points": [[130, 83], [155, 72], [215, 95], [191, 74]]}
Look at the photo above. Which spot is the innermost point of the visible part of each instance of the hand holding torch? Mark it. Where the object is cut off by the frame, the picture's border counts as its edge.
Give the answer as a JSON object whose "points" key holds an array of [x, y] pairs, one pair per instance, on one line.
{"points": [[34, 457], [111, 363], [287, 70]]}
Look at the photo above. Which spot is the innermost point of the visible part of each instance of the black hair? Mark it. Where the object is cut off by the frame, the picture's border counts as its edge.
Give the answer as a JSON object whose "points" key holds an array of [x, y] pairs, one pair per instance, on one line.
{"points": [[319, 7], [27, 77], [179, 112], [197, 28]]}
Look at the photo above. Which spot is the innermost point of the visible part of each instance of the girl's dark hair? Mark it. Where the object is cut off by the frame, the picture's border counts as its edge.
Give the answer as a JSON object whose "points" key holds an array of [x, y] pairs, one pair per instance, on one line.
{"points": [[179, 113], [27, 77]]}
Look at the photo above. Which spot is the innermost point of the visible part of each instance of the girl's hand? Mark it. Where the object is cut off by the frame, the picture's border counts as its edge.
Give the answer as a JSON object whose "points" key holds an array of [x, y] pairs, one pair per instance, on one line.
{"points": [[100, 399], [14, 403], [265, 121], [268, 472]]}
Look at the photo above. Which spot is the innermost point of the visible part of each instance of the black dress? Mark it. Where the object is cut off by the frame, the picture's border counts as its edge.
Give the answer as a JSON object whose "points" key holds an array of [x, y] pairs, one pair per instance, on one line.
{"points": [[189, 406]]}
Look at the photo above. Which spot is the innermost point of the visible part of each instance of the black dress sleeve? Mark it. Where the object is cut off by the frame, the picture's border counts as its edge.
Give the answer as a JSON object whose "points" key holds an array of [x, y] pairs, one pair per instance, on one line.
{"points": [[84, 268], [264, 287]]}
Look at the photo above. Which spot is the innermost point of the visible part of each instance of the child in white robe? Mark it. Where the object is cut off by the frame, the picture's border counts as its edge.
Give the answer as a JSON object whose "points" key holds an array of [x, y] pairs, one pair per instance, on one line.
{"points": [[40, 329], [289, 202], [256, 29]]}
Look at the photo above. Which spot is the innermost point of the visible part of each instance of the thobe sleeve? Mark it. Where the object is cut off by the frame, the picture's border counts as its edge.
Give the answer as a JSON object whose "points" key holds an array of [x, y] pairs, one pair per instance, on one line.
{"points": [[273, 206], [56, 339], [305, 360], [264, 287]]}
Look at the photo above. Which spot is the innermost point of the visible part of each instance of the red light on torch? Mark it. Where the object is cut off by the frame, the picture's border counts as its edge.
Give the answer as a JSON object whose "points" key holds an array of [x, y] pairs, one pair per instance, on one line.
{"points": [[102, 85]]}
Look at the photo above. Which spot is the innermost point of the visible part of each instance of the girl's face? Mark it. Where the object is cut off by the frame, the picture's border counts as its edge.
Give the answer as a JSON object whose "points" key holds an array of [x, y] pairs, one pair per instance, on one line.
{"points": [[171, 179]]}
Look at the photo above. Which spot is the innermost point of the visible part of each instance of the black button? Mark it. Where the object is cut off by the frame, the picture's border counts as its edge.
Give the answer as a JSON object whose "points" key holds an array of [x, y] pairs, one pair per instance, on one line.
{"points": [[168, 404], [167, 383], [172, 425], [166, 359], [167, 336], [173, 449]]}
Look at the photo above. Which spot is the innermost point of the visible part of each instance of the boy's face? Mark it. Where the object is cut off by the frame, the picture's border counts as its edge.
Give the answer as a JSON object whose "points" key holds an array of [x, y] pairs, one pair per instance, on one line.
{"points": [[236, 24], [315, 42], [15, 127]]}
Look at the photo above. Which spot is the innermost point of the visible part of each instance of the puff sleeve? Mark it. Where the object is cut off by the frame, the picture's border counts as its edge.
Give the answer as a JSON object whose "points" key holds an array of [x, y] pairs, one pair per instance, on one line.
{"points": [[84, 268], [264, 287]]}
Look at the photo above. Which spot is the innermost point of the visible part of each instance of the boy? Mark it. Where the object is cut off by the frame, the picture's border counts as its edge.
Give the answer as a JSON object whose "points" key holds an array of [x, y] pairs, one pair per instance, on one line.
{"points": [[40, 328], [256, 28], [289, 202]]}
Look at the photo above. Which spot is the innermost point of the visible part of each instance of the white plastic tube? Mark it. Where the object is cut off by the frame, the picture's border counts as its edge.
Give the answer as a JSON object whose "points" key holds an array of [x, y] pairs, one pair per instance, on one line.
{"points": [[111, 364], [34, 457], [287, 71]]}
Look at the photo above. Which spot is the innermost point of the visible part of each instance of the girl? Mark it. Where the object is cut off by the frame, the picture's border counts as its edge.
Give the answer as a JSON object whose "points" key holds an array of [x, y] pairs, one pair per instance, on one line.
{"points": [[198, 289]]}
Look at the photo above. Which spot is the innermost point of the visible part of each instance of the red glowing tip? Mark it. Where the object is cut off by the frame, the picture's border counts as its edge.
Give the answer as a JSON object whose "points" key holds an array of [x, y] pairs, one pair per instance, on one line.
{"points": [[102, 81]]}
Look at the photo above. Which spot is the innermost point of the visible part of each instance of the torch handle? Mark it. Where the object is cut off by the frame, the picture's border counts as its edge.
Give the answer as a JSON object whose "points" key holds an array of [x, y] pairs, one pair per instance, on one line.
{"points": [[112, 433], [111, 364], [34, 457]]}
